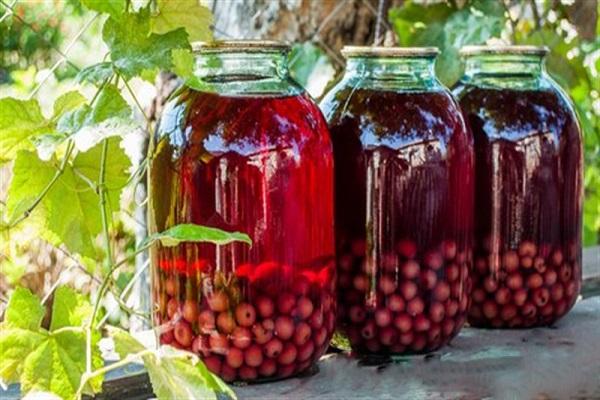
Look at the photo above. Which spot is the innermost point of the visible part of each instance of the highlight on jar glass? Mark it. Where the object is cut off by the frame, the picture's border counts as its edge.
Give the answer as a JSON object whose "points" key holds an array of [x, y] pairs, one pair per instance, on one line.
{"points": [[529, 186], [404, 202], [243, 148]]}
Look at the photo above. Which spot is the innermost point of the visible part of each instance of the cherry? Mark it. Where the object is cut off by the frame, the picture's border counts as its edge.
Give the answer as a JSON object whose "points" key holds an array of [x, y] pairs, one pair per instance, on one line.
{"points": [[306, 350], [557, 292], [357, 314], [434, 260], [403, 323], [265, 307], [419, 343], [361, 282], [406, 338], [167, 337], [286, 370], [547, 310], [408, 290], [183, 333], [387, 285], [345, 262], [508, 312], [218, 343], [234, 357], [502, 296], [253, 356], [373, 345], [316, 319], [557, 257], [395, 303], [527, 249], [528, 310], [437, 312], [410, 269], [407, 248], [434, 334], [301, 286], [539, 264], [288, 354], [227, 373], [519, 297], [261, 334], [478, 295], [200, 345], [570, 288], [481, 266], [213, 363], [421, 323], [225, 322], [387, 336], [449, 249], [284, 327], [190, 310], [526, 262], [415, 306], [171, 286], [206, 321], [267, 368], [241, 337], [489, 309], [565, 273], [428, 279], [286, 303], [383, 317], [245, 314], [560, 307], [304, 308], [368, 330], [535, 281], [321, 336], [441, 292], [452, 273], [510, 260], [302, 333], [550, 277], [448, 327], [172, 308], [248, 373], [218, 302], [490, 284], [514, 281], [452, 307]]}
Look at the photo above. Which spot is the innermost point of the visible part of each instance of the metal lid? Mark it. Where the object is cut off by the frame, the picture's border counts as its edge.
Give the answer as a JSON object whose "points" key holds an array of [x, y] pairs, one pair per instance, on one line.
{"points": [[382, 51], [248, 46], [504, 49]]}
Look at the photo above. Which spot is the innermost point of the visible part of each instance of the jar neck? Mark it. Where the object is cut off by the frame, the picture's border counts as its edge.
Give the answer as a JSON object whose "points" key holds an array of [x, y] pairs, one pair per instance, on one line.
{"points": [[506, 70], [394, 72], [239, 72]]}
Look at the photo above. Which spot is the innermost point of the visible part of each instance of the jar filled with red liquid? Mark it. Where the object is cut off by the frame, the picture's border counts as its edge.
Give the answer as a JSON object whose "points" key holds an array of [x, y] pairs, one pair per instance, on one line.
{"points": [[528, 201], [246, 150], [403, 199]]}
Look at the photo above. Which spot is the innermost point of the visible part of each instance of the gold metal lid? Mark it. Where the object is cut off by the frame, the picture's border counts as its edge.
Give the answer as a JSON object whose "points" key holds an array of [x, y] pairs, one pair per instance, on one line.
{"points": [[504, 49], [382, 51], [250, 46]]}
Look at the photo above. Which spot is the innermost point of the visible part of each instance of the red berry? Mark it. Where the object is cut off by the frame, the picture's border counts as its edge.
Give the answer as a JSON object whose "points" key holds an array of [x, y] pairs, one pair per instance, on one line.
{"points": [[570, 288], [387, 285], [557, 257], [304, 308], [316, 319], [284, 327], [541, 296], [527, 248], [383, 317], [265, 307], [361, 282], [357, 314], [508, 312], [286, 303], [218, 302], [288, 354], [539, 264], [245, 314], [428, 279], [490, 284], [510, 260], [502, 296], [519, 297], [302, 333], [387, 336], [218, 343], [261, 334], [437, 311], [434, 335], [464, 303], [248, 373], [550, 277], [408, 290], [441, 292], [547, 310], [406, 338], [225, 322], [171, 286], [449, 249], [410, 269], [267, 368], [565, 273], [306, 350], [526, 262], [452, 307], [489, 309], [481, 266], [234, 357], [368, 330], [389, 263], [253, 356], [395, 303], [273, 348], [167, 337], [514, 281], [321, 336], [415, 306], [206, 321], [200, 345], [557, 292], [434, 260], [452, 272], [285, 371], [478, 295], [172, 308], [560, 308], [419, 343], [403, 323], [448, 327], [183, 333], [241, 337], [535, 281], [407, 248], [190, 311], [213, 363], [421, 323], [528, 310], [227, 373]]}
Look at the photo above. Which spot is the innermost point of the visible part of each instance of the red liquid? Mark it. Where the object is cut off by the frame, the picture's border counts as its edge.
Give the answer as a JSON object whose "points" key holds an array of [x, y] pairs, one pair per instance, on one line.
{"points": [[404, 194], [528, 202], [263, 166]]}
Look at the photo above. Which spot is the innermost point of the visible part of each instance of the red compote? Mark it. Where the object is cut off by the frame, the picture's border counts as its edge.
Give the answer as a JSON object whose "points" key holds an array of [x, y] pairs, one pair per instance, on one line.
{"points": [[404, 194], [254, 157], [527, 268]]}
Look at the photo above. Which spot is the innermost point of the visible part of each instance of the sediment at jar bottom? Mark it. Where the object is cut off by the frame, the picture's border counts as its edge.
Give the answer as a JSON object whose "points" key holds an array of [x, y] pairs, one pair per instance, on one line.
{"points": [[265, 321], [413, 301], [532, 284]]}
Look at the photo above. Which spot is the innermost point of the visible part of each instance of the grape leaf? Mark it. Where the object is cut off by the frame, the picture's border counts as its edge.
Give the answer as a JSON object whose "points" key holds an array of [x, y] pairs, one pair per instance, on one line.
{"points": [[67, 102], [188, 14], [24, 310], [20, 120], [197, 233], [183, 63], [135, 50], [110, 104], [69, 308], [115, 8], [96, 74], [16, 345]]}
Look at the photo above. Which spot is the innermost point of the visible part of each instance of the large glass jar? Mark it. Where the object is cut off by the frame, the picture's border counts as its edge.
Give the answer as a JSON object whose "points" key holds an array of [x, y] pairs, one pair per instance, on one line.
{"points": [[527, 268], [403, 210], [246, 150]]}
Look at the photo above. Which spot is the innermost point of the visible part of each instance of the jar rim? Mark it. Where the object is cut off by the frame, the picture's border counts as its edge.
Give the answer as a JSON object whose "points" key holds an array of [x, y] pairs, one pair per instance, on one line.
{"points": [[242, 46], [385, 51], [504, 49]]}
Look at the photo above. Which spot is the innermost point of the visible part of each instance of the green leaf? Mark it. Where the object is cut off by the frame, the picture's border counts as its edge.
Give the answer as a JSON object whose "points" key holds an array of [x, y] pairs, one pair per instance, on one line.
{"points": [[183, 63], [96, 74], [16, 345], [197, 233], [116, 170], [110, 104], [113, 7], [67, 102], [13, 271], [304, 58], [188, 14], [24, 310], [134, 50], [69, 308], [20, 120], [74, 120]]}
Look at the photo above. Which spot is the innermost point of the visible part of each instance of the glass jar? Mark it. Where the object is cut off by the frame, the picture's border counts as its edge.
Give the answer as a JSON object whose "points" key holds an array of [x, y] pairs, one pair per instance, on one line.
{"points": [[529, 186], [247, 150], [404, 193]]}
